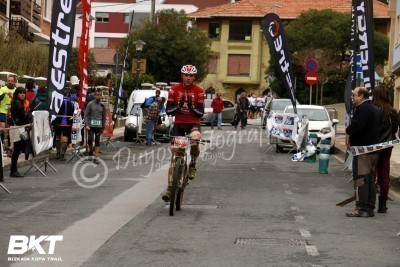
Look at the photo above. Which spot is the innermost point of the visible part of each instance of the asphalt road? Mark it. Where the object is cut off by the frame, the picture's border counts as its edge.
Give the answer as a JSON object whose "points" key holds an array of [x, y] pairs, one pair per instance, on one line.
{"points": [[249, 206]]}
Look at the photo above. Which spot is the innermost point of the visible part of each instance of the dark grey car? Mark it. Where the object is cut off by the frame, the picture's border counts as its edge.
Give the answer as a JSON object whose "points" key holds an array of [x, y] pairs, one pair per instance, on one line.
{"points": [[228, 113]]}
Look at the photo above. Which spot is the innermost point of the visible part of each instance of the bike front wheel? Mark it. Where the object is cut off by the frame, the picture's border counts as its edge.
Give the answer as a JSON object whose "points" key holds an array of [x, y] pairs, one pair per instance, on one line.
{"points": [[176, 174]]}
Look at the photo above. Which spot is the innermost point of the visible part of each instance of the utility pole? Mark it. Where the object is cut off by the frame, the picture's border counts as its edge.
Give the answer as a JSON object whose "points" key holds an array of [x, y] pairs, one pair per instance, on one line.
{"points": [[153, 11]]}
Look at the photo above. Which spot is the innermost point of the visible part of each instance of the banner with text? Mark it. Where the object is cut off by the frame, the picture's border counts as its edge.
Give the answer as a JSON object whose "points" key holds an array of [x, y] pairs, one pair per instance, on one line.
{"points": [[274, 33], [42, 136], [84, 52], [61, 37]]}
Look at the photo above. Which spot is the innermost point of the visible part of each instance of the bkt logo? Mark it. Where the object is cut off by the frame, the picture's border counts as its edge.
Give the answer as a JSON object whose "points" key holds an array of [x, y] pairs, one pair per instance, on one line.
{"points": [[19, 244]]}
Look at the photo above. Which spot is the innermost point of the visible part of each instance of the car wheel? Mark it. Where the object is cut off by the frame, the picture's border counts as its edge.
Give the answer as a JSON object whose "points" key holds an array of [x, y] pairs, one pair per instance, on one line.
{"points": [[128, 136]]}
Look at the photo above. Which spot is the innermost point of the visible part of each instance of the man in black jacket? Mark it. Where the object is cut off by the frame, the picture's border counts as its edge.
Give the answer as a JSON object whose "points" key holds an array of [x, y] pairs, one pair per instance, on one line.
{"points": [[242, 109], [364, 130]]}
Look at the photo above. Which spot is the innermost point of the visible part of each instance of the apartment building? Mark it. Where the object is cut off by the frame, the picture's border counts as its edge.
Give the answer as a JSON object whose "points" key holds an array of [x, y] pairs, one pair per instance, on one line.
{"points": [[394, 50], [240, 54]]}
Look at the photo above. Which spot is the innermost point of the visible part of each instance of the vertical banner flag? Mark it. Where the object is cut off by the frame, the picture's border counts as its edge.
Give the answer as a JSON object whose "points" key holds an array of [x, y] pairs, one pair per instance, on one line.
{"points": [[84, 52], [352, 78], [364, 11], [61, 37], [118, 95], [274, 33]]}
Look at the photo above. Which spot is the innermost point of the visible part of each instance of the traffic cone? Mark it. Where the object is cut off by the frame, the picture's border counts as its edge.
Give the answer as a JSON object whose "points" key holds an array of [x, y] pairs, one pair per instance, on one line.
{"points": [[324, 151]]}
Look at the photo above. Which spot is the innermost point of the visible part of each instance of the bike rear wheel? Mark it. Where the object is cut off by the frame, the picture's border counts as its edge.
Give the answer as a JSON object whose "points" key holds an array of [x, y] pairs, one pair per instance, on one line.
{"points": [[176, 174]]}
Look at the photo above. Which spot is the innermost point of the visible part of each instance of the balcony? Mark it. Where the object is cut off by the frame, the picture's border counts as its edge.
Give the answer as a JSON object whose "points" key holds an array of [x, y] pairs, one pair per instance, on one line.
{"points": [[22, 28], [26, 9]]}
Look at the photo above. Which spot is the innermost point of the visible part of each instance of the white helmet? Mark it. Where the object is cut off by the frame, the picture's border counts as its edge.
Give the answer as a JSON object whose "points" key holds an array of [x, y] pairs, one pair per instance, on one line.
{"points": [[74, 80], [189, 69]]}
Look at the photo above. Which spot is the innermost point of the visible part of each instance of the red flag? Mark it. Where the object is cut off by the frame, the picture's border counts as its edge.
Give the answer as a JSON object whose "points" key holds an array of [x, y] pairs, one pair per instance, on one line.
{"points": [[84, 52]]}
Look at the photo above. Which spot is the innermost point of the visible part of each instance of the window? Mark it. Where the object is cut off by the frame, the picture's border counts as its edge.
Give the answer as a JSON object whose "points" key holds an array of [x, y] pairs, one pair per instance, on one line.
{"points": [[239, 65], [212, 65], [47, 9], [228, 104], [210, 92], [126, 18], [214, 29], [101, 17], [240, 30], [101, 42]]}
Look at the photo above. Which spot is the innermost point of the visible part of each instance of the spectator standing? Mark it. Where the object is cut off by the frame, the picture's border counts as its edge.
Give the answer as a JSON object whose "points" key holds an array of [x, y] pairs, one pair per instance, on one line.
{"points": [[6, 94], [39, 102], [242, 109], [252, 104], [20, 116], [63, 126], [95, 121], [151, 119], [363, 131], [218, 105], [387, 132], [30, 93]]}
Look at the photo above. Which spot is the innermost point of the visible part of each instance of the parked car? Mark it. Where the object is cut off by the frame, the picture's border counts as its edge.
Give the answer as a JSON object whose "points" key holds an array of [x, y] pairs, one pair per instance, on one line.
{"points": [[134, 123], [228, 113], [319, 123]]}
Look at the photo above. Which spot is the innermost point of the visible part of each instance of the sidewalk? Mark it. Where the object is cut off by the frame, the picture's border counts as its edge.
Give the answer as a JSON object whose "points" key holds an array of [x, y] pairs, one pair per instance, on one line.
{"points": [[118, 134]]}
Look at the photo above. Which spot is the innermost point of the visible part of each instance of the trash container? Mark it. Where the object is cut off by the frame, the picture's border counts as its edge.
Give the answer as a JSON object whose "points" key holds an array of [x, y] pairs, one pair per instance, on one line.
{"points": [[324, 151]]}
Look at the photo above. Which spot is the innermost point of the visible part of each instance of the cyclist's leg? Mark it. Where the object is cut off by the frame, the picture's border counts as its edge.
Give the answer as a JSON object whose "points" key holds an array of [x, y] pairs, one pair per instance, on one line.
{"points": [[195, 134]]}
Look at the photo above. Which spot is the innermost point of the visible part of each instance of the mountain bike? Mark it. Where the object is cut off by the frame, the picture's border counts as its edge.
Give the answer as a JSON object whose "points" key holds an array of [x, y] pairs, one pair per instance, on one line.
{"points": [[179, 170]]}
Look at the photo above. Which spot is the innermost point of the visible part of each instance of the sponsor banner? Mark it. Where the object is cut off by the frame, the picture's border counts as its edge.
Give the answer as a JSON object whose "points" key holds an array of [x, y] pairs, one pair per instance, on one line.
{"points": [[61, 37], [359, 150], [84, 52], [283, 125], [274, 33], [109, 127], [42, 136], [77, 125], [364, 14]]}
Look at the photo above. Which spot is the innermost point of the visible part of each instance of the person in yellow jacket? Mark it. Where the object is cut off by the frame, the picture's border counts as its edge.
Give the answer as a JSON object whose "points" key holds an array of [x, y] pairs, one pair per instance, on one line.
{"points": [[6, 93]]}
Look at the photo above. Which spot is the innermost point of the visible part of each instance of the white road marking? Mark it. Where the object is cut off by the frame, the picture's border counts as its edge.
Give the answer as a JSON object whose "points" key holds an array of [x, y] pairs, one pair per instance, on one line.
{"points": [[312, 250], [288, 192], [305, 233], [86, 236], [294, 208], [299, 219]]}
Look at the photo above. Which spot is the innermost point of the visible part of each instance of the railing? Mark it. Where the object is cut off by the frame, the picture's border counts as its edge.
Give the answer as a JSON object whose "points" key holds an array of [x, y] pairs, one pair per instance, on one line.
{"points": [[22, 27], [26, 9]]}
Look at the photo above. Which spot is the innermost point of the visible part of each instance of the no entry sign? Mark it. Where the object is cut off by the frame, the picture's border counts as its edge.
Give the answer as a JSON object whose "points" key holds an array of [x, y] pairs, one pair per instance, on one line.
{"points": [[311, 78]]}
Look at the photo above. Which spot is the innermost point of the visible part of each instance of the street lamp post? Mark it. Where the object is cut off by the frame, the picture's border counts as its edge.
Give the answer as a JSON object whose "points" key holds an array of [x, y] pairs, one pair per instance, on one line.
{"points": [[139, 47]]}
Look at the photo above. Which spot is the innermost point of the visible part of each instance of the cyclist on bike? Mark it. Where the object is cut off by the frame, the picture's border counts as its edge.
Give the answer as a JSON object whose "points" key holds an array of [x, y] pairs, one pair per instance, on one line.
{"points": [[186, 103]]}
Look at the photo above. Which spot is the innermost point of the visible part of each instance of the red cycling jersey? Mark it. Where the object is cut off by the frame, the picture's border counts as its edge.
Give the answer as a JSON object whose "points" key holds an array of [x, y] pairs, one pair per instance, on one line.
{"points": [[194, 93]]}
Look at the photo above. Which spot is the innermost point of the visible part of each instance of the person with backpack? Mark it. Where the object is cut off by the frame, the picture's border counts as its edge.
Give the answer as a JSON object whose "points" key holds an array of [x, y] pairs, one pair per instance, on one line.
{"points": [[39, 101]]}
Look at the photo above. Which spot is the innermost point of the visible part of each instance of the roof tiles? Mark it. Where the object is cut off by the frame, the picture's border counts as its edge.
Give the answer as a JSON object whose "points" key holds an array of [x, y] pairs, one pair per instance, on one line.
{"points": [[288, 9]]}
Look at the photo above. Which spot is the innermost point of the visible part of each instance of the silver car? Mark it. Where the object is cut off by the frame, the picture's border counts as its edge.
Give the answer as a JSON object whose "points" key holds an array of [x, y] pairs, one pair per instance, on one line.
{"points": [[228, 113]]}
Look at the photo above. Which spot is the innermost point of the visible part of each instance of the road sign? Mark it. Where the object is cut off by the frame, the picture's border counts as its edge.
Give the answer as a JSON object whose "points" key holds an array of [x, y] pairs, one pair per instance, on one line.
{"points": [[117, 58], [311, 78], [311, 65]]}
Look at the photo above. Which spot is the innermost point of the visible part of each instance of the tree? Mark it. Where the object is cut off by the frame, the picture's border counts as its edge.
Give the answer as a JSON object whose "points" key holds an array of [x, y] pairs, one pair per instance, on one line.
{"points": [[22, 57], [73, 68], [170, 44]]}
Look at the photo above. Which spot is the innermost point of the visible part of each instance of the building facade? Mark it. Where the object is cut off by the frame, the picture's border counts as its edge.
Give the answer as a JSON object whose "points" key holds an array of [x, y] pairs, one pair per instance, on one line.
{"points": [[240, 54], [394, 50]]}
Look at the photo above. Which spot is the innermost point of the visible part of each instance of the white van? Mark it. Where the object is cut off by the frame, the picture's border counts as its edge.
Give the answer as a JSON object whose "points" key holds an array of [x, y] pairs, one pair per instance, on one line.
{"points": [[134, 124]]}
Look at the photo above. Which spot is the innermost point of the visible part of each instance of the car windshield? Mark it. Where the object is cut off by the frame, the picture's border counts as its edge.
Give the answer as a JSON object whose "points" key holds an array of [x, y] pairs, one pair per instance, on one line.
{"points": [[280, 105], [312, 114]]}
